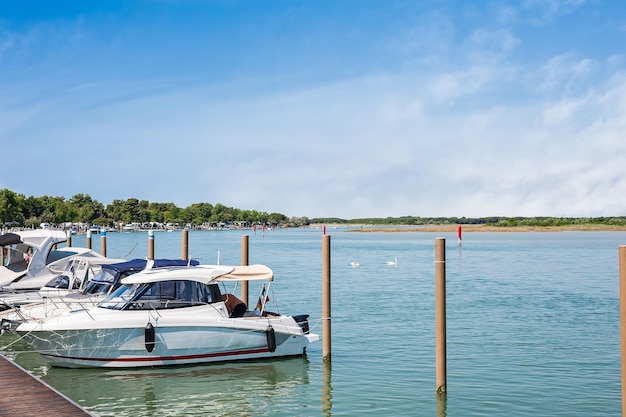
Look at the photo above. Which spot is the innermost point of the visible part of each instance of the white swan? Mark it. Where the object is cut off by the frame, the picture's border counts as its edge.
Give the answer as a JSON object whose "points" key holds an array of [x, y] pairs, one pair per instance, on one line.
{"points": [[394, 262]]}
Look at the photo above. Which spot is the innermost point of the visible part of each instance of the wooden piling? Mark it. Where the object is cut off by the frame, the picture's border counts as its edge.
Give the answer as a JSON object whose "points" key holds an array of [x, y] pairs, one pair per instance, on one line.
{"points": [[622, 297], [103, 242], [440, 314], [150, 244], [68, 240], [185, 245], [327, 390], [244, 262], [326, 328], [88, 239]]}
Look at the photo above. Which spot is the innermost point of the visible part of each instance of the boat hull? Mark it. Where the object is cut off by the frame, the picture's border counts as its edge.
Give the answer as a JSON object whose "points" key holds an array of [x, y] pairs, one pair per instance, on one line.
{"points": [[135, 347]]}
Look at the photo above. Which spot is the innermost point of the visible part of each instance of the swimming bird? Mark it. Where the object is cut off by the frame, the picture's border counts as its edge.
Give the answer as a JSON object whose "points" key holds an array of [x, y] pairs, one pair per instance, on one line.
{"points": [[354, 263], [394, 262]]}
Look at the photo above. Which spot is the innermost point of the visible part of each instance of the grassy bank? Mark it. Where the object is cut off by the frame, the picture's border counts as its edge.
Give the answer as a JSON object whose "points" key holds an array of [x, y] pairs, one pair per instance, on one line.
{"points": [[452, 228]]}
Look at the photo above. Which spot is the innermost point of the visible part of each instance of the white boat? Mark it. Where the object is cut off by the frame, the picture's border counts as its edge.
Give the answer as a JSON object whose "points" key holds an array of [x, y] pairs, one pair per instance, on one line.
{"points": [[78, 272], [173, 316], [56, 297], [28, 254]]}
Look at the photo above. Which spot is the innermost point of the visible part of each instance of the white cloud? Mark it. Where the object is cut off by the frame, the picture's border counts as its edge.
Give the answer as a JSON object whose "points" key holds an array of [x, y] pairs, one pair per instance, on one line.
{"points": [[501, 40], [564, 71], [458, 125], [544, 11]]}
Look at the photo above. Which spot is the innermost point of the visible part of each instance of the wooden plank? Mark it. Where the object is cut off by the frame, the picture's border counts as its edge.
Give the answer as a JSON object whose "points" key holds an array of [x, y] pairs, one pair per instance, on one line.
{"points": [[22, 394]]}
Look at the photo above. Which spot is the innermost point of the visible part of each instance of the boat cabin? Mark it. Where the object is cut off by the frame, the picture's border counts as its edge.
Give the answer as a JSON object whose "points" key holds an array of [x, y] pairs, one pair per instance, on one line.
{"points": [[162, 295], [183, 287]]}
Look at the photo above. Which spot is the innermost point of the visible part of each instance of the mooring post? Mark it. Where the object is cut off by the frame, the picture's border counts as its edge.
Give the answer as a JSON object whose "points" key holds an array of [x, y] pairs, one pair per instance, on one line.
{"points": [[150, 244], [327, 390], [440, 314], [326, 328], [244, 262], [185, 245], [68, 240], [622, 310], [103, 242], [88, 239]]}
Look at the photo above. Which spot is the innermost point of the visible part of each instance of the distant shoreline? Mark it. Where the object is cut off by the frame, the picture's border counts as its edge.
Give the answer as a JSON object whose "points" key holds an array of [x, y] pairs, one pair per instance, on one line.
{"points": [[471, 228]]}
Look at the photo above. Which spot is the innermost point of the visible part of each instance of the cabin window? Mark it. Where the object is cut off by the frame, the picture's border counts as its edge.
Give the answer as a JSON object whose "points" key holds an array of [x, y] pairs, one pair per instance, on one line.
{"points": [[175, 294], [163, 295], [101, 283]]}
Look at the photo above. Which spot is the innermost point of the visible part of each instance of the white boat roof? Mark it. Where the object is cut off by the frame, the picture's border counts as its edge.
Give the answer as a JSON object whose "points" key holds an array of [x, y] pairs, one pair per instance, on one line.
{"points": [[82, 254], [202, 273], [38, 236]]}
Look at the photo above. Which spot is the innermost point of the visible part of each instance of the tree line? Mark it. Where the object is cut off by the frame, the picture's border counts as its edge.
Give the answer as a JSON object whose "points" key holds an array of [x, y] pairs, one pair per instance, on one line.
{"points": [[496, 221], [18, 210]]}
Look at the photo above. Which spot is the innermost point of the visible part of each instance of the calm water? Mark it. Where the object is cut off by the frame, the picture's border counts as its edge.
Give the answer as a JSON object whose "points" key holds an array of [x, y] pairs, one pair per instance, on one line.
{"points": [[532, 328]]}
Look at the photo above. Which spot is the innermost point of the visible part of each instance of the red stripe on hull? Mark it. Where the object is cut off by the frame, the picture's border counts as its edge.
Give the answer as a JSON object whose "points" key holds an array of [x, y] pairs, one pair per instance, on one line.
{"points": [[163, 358]]}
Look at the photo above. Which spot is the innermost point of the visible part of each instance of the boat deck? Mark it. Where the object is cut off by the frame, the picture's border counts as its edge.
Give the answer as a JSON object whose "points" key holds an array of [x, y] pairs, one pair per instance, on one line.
{"points": [[21, 394]]}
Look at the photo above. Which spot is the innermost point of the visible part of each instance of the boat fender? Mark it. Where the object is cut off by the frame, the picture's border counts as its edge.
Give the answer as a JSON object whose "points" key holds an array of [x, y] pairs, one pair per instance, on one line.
{"points": [[149, 336], [271, 338]]}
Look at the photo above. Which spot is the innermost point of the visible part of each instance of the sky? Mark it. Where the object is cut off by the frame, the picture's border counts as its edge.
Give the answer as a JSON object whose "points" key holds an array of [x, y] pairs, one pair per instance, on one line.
{"points": [[319, 108]]}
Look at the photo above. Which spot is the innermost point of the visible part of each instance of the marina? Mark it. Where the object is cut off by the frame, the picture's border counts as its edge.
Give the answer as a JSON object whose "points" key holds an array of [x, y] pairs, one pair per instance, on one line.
{"points": [[533, 329]]}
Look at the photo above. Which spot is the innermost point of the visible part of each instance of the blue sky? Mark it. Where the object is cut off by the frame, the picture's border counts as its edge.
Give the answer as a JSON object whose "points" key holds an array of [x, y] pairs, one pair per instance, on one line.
{"points": [[344, 108]]}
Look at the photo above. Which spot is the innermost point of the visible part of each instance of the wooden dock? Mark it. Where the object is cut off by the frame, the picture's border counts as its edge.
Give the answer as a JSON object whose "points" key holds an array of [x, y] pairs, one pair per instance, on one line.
{"points": [[21, 394]]}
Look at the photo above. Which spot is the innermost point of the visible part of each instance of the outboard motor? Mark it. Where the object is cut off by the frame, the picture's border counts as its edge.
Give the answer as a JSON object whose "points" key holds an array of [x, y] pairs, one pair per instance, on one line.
{"points": [[303, 322]]}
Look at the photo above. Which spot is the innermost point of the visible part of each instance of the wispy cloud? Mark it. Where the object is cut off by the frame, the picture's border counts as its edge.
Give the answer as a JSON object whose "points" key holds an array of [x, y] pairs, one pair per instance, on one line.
{"points": [[447, 113]]}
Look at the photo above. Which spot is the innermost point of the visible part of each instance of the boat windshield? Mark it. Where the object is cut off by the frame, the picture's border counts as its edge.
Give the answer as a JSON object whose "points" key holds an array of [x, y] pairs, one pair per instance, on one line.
{"points": [[162, 295], [62, 282], [101, 283]]}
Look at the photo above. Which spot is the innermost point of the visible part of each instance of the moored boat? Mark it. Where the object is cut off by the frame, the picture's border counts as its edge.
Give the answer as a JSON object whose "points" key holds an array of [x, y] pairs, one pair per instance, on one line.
{"points": [[27, 256], [172, 316], [56, 297]]}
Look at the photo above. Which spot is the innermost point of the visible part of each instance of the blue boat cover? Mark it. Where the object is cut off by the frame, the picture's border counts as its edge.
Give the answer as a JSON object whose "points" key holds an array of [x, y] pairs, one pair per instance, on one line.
{"points": [[136, 265]]}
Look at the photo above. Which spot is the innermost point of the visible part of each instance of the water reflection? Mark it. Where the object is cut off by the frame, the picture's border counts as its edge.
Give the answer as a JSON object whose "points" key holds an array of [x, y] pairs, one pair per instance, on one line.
{"points": [[246, 388]]}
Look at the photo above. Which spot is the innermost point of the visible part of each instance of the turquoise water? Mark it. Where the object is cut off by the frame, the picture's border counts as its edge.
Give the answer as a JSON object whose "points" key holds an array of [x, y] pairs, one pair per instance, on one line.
{"points": [[532, 329]]}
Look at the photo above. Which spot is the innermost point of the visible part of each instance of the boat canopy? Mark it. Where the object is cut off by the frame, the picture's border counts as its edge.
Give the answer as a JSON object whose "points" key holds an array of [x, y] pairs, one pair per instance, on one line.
{"points": [[38, 238], [10, 239], [203, 273], [248, 273], [141, 264], [111, 273]]}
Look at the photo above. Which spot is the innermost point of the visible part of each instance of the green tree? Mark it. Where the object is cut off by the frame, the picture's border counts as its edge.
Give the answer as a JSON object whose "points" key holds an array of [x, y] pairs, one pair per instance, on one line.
{"points": [[32, 208], [11, 206], [84, 209], [277, 218]]}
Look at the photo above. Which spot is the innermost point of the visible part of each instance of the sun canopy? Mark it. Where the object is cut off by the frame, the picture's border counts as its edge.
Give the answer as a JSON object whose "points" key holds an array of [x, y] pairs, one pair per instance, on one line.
{"points": [[203, 273], [248, 273]]}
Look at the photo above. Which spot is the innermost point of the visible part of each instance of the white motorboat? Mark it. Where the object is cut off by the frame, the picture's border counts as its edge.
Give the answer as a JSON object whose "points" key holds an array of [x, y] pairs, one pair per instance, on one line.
{"points": [[172, 316], [27, 255], [57, 297], [78, 272]]}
